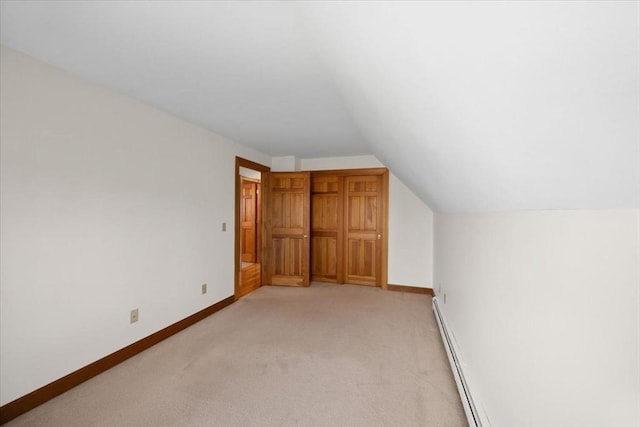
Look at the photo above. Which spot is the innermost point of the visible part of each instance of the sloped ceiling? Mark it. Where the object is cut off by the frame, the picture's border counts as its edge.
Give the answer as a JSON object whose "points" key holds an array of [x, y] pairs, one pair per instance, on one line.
{"points": [[476, 106], [245, 70]]}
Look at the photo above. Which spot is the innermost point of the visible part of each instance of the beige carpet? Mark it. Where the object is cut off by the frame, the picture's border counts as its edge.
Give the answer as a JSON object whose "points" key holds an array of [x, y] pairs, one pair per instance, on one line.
{"points": [[328, 355]]}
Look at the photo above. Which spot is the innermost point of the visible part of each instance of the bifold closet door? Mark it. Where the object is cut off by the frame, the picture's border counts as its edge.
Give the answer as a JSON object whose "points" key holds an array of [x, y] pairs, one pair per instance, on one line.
{"points": [[288, 228]]}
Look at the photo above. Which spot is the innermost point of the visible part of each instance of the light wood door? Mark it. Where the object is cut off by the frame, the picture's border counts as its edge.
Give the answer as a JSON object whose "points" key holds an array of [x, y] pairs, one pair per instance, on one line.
{"points": [[364, 212], [249, 221], [247, 281], [288, 228], [327, 244]]}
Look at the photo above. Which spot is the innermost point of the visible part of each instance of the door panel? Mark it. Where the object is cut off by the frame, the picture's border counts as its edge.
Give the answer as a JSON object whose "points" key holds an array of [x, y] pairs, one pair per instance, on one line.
{"points": [[288, 228], [364, 219], [248, 219], [249, 280], [324, 260], [363, 212], [325, 212], [326, 229], [362, 265]]}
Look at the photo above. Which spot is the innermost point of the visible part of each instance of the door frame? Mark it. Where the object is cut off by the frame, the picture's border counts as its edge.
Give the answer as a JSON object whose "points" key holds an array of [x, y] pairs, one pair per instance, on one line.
{"points": [[240, 162], [384, 173]]}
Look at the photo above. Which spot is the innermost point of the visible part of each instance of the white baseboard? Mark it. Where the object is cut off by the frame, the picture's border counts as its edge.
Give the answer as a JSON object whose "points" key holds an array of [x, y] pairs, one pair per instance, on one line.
{"points": [[474, 416]]}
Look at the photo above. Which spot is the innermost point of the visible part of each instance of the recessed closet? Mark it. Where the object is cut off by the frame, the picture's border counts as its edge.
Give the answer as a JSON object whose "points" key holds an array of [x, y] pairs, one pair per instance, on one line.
{"points": [[328, 226]]}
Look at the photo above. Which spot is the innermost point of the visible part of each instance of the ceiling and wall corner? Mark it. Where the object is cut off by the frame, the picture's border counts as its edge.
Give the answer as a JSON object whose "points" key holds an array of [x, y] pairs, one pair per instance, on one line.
{"points": [[245, 69], [494, 106], [476, 106]]}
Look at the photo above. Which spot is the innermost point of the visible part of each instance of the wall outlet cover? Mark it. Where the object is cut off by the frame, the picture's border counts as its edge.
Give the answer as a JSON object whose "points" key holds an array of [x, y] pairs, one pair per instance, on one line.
{"points": [[134, 316]]}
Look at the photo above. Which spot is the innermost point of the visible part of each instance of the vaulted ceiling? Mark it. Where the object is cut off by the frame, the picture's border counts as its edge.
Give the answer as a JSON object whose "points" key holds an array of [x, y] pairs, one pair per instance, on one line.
{"points": [[476, 106]]}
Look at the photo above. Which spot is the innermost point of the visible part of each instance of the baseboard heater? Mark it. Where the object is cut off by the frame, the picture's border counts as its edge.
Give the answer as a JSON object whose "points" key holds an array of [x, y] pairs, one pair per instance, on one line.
{"points": [[473, 417]]}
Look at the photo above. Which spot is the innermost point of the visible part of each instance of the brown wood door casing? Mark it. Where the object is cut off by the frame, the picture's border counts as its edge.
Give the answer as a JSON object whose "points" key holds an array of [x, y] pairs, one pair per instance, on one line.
{"points": [[288, 228], [239, 290]]}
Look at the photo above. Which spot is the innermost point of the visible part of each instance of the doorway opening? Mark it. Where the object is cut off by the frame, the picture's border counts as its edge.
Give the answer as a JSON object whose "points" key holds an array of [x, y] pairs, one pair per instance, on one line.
{"points": [[248, 226]]}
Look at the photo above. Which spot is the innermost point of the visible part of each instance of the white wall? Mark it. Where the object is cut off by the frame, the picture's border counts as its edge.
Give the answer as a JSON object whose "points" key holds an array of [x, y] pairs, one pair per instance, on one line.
{"points": [[545, 309], [285, 164], [410, 224], [349, 162], [410, 237], [106, 205]]}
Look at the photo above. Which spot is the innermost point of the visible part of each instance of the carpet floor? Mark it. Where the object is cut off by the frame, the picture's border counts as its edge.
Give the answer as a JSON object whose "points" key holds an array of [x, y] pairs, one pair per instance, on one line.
{"points": [[327, 355]]}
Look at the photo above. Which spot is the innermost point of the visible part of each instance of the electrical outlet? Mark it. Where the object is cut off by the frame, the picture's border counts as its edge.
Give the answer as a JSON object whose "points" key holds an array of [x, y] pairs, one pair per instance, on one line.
{"points": [[224, 226], [134, 316], [204, 288], [445, 297]]}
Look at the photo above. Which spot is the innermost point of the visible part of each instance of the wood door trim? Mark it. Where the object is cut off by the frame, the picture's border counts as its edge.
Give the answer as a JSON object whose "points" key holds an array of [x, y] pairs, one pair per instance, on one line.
{"points": [[410, 289], [240, 162], [252, 165], [385, 230]]}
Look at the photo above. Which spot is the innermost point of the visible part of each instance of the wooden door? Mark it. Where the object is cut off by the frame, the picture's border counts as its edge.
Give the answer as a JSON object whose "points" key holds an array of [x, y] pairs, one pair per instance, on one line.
{"points": [[288, 228], [249, 220], [364, 215], [248, 280], [327, 216]]}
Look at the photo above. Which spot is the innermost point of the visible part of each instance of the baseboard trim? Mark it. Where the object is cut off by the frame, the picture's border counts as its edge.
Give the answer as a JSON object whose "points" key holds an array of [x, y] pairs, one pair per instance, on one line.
{"points": [[29, 401], [410, 289], [474, 417]]}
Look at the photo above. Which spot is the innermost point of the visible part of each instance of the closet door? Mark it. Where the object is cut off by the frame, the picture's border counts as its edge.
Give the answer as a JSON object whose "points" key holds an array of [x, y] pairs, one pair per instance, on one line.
{"points": [[327, 216], [288, 228], [364, 214]]}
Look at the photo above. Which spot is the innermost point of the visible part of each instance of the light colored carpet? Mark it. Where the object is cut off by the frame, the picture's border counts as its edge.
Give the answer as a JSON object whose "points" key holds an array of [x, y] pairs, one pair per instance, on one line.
{"points": [[328, 355]]}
